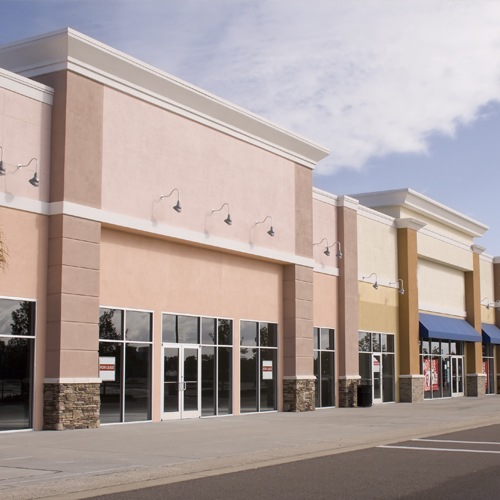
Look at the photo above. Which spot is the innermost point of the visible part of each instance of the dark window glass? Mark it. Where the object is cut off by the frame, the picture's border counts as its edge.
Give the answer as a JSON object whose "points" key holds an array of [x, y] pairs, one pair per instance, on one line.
{"points": [[248, 333], [208, 335], [316, 338], [446, 371], [327, 379], [248, 380], [387, 343], [111, 390], [171, 380], [268, 386], [327, 339], [190, 379], [138, 326], [365, 343], [376, 342], [137, 382], [208, 381], [436, 376], [365, 367], [225, 332], [225, 362], [188, 329], [16, 379], [317, 375], [110, 324], [169, 328], [17, 318], [388, 382]]}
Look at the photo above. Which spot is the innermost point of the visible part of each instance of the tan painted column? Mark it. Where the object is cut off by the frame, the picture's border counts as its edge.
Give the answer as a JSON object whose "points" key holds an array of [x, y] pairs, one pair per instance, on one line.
{"points": [[476, 380], [348, 332], [299, 382], [411, 382], [71, 386], [496, 284]]}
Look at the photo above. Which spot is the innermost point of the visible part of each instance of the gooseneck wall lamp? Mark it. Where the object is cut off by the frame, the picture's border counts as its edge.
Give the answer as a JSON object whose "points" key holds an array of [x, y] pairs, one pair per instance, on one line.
{"points": [[177, 207], [327, 248], [2, 168], [271, 231], [376, 280], [488, 305], [34, 181], [227, 220], [401, 290]]}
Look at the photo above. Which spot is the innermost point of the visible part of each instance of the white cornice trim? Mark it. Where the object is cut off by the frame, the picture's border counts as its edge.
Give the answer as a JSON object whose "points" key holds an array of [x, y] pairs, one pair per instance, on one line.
{"points": [[442, 310], [147, 226], [496, 260], [410, 223], [374, 215], [325, 197], [426, 206], [381, 281], [66, 380], [26, 87], [486, 258], [347, 202], [320, 268], [477, 249], [69, 50]]}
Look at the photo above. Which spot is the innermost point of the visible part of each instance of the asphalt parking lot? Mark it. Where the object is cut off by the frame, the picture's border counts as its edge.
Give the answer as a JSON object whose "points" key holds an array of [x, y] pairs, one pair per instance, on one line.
{"points": [[459, 465]]}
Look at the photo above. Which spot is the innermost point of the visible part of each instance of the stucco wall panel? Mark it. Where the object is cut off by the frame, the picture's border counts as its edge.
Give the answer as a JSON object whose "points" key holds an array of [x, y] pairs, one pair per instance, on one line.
{"points": [[378, 309], [487, 290], [377, 249], [24, 134], [440, 286], [148, 151], [439, 251], [325, 226], [325, 300]]}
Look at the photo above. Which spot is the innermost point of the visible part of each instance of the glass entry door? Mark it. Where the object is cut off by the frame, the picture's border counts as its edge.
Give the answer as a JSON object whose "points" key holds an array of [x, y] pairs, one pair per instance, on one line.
{"points": [[181, 386], [377, 379], [457, 377]]}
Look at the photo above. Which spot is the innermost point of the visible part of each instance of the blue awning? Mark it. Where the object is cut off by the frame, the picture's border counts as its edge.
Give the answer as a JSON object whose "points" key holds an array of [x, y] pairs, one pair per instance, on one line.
{"points": [[491, 334], [441, 327]]}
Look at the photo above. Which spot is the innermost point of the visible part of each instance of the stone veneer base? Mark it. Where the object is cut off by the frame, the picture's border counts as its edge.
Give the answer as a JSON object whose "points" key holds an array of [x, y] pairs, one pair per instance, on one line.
{"points": [[476, 385], [348, 392], [299, 395], [411, 388], [71, 406]]}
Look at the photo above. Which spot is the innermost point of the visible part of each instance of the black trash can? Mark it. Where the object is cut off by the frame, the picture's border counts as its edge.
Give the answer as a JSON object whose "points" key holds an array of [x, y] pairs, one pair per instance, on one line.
{"points": [[365, 398]]}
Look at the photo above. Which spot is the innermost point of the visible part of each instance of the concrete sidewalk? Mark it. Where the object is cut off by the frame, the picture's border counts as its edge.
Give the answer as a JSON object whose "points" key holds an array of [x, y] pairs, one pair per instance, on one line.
{"points": [[83, 463]]}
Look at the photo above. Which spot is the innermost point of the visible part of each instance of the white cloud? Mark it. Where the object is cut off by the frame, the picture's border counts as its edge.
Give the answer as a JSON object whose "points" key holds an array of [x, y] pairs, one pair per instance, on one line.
{"points": [[362, 78]]}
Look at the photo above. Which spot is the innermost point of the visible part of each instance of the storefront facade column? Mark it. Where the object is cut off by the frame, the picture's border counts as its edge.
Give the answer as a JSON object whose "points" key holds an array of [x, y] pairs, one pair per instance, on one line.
{"points": [[348, 330], [411, 382], [476, 379], [496, 284]]}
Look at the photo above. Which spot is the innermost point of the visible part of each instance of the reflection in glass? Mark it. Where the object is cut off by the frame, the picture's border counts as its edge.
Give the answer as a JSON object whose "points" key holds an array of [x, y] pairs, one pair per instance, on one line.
{"points": [[171, 379], [425, 349], [327, 339], [248, 333], [110, 324], [268, 335], [16, 380], [225, 332], [387, 343], [137, 382], [188, 329], [453, 348], [190, 380], [111, 390], [316, 338], [376, 342], [17, 318], [225, 369], [169, 328], [248, 380], [208, 381], [436, 375], [208, 331], [138, 326], [445, 348], [435, 349], [365, 343]]}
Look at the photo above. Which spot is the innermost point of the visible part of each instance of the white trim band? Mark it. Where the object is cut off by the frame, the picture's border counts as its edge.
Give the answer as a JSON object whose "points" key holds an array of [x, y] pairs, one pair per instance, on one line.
{"points": [[65, 380]]}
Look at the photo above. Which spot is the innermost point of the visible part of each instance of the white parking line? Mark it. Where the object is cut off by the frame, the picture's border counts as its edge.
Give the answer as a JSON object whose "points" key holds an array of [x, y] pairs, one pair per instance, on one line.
{"points": [[461, 442], [15, 458], [436, 449]]}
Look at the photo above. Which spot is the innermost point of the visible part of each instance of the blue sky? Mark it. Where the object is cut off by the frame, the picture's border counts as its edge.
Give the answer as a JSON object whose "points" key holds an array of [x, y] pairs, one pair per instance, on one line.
{"points": [[404, 94]]}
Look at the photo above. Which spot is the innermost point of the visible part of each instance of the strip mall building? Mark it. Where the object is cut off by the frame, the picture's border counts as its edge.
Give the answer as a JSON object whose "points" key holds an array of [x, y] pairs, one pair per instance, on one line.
{"points": [[170, 258]]}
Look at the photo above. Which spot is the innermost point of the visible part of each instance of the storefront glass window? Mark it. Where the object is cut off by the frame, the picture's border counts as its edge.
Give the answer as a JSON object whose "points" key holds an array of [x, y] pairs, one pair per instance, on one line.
{"points": [[489, 367], [324, 366], [17, 343]]}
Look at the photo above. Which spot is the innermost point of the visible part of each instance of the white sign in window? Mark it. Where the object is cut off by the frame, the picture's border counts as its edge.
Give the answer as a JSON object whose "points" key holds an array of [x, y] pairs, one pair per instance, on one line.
{"points": [[107, 368], [267, 370]]}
